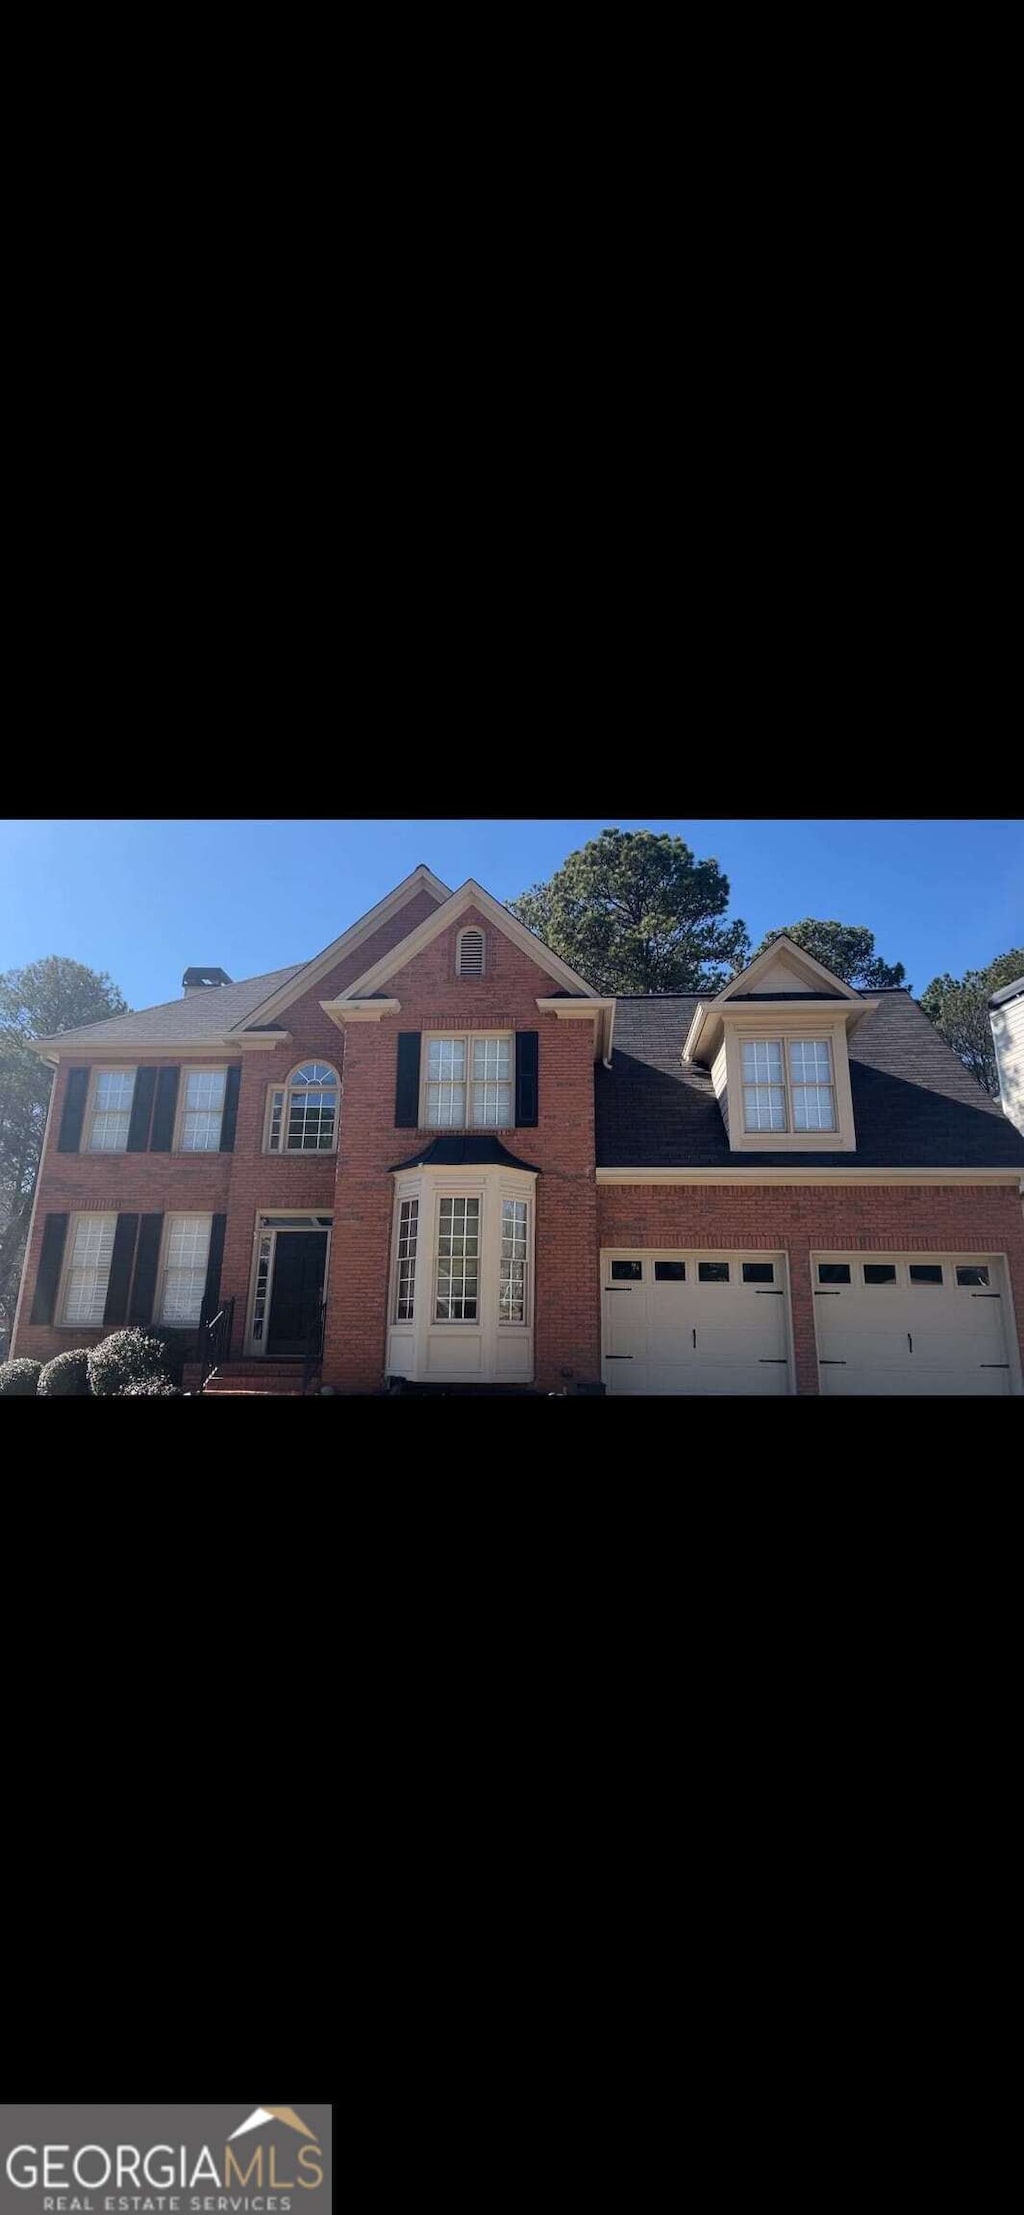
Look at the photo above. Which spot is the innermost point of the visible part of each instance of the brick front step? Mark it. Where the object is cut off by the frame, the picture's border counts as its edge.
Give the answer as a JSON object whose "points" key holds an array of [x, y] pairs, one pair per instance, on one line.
{"points": [[256, 1378]]}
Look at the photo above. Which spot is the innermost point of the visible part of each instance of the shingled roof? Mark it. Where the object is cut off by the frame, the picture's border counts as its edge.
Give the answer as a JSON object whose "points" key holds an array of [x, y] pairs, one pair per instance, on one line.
{"points": [[194, 1020], [915, 1106]]}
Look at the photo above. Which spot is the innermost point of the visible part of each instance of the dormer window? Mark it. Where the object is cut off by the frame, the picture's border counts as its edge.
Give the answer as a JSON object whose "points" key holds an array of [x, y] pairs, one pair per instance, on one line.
{"points": [[469, 953], [788, 1085]]}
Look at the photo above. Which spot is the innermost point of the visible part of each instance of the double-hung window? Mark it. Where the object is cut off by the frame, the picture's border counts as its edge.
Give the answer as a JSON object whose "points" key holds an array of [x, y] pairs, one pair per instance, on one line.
{"points": [[202, 1111], [113, 1092], [186, 1252], [788, 1085], [468, 1084], [458, 1261], [88, 1269]]}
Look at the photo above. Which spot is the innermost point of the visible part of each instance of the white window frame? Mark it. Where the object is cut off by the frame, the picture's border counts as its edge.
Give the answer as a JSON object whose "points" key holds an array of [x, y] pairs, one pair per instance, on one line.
{"points": [[775, 1027], [92, 1110], [85, 1215], [177, 1322], [786, 1085], [198, 1069], [466, 1039], [471, 930], [485, 1348], [285, 1087]]}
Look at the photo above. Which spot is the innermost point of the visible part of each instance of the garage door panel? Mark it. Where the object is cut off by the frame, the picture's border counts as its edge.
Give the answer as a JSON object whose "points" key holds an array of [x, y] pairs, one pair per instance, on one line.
{"points": [[912, 1339], [685, 1336]]}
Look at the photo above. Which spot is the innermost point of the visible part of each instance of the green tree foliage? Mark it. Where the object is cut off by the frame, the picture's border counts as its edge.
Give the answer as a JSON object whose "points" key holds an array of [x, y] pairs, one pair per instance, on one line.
{"points": [[632, 911], [958, 1007], [848, 949], [47, 996]]}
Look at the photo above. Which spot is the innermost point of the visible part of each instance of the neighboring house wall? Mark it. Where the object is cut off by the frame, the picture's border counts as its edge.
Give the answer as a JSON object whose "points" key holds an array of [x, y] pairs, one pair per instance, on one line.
{"points": [[805, 1219], [1008, 1035], [561, 1146]]}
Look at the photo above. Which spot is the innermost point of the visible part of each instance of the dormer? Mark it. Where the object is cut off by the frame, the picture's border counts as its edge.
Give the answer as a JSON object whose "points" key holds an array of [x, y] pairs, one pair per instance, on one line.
{"points": [[776, 1041]]}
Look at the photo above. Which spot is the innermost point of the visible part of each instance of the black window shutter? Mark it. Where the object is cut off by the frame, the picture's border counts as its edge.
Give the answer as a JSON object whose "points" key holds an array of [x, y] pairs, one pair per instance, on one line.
{"points": [[48, 1272], [527, 1101], [147, 1255], [142, 1109], [211, 1295], [74, 1112], [230, 1116], [120, 1269], [163, 1113], [407, 1088]]}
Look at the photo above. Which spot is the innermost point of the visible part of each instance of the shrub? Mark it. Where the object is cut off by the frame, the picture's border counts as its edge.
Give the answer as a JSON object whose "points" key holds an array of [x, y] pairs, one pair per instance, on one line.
{"points": [[18, 1379], [150, 1388], [126, 1357], [178, 1347], [67, 1374]]}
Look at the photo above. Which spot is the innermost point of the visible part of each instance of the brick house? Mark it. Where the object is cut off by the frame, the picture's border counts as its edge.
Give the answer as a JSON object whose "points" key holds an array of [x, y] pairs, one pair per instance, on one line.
{"points": [[477, 1171]]}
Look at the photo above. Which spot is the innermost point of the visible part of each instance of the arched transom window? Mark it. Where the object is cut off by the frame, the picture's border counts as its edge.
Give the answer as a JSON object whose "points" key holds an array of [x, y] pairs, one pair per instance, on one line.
{"points": [[302, 1116]]}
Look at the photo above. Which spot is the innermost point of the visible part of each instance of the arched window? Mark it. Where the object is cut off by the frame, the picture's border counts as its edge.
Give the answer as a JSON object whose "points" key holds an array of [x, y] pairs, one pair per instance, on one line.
{"points": [[302, 1116], [469, 953]]}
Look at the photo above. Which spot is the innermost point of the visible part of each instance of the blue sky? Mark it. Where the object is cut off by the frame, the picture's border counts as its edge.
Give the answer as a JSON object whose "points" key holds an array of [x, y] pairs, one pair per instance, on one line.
{"points": [[145, 899]]}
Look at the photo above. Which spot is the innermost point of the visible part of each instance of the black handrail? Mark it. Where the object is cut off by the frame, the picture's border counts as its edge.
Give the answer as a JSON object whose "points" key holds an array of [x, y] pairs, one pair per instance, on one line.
{"points": [[214, 1343], [314, 1346]]}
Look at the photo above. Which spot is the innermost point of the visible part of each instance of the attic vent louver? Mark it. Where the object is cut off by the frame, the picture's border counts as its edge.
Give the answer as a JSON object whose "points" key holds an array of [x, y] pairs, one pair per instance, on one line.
{"points": [[470, 955]]}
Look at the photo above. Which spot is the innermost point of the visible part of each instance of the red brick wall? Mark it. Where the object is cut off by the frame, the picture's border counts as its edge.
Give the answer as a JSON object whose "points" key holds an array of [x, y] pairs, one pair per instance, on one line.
{"points": [[566, 1324], [801, 1218], [238, 1183]]}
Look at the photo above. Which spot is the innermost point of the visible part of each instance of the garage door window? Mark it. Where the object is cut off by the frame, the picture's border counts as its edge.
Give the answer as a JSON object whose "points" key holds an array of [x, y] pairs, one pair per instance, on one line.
{"points": [[879, 1273], [626, 1272], [670, 1272], [922, 1272], [713, 1272], [759, 1272], [833, 1272], [970, 1276]]}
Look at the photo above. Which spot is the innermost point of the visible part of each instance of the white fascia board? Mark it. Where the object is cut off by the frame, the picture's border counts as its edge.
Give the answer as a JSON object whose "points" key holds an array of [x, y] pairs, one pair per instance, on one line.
{"points": [[767, 1016], [420, 879], [342, 1012], [469, 895], [853, 1175]]}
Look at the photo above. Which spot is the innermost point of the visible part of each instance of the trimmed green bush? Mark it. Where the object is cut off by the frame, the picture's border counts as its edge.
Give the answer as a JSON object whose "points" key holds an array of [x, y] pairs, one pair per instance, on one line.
{"points": [[178, 1347], [67, 1374], [18, 1379], [126, 1357], [150, 1388]]}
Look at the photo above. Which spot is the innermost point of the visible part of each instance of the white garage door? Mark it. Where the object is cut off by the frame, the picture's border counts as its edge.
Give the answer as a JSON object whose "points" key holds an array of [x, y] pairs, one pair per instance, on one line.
{"points": [[694, 1323], [911, 1323]]}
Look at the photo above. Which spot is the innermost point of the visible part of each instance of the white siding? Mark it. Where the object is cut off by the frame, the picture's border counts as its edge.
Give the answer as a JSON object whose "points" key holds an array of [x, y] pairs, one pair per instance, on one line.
{"points": [[780, 976], [1008, 1033]]}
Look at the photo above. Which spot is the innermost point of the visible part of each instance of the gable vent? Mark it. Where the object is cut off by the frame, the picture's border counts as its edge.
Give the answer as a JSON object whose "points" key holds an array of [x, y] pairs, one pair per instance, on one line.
{"points": [[469, 959]]}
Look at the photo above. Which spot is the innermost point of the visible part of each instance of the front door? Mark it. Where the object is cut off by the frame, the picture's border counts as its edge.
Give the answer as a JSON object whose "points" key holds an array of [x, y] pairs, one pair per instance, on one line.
{"points": [[298, 1290]]}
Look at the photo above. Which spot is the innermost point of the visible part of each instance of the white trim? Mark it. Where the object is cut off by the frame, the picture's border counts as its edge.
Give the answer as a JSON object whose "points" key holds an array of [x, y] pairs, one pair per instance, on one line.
{"points": [[800, 959], [420, 879], [369, 1011], [468, 1039], [730, 1174], [284, 1086], [762, 1017], [196, 1049], [469, 895]]}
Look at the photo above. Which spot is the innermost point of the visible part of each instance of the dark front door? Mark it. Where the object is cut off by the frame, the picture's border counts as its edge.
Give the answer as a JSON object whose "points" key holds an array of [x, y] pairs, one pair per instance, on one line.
{"points": [[297, 1291]]}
